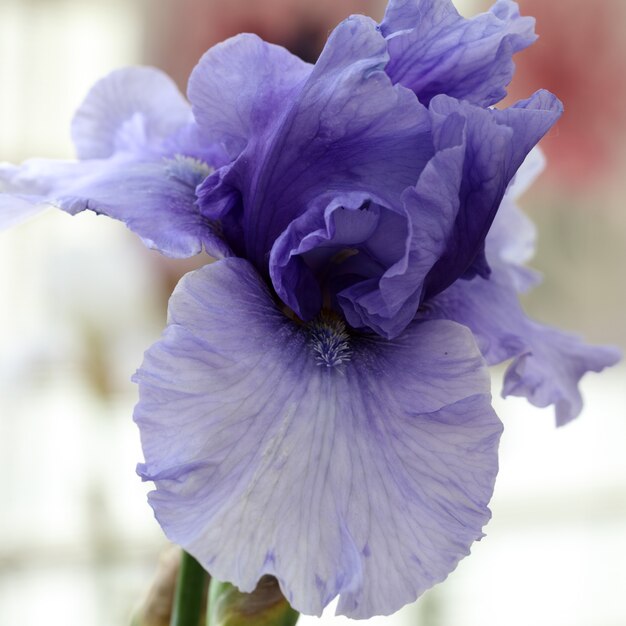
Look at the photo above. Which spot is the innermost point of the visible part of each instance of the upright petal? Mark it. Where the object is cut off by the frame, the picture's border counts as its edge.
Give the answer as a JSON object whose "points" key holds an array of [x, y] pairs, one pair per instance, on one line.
{"points": [[341, 465], [388, 305], [346, 129], [433, 50], [547, 364], [497, 144], [131, 108], [239, 88], [511, 238], [337, 245]]}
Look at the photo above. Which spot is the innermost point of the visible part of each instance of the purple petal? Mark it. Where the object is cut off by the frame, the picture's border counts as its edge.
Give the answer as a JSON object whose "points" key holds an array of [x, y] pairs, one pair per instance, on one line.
{"points": [[239, 88], [549, 371], [341, 240], [155, 199], [496, 145], [511, 239], [339, 464], [388, 305], [548, 364], [433, 50], [132, 108], [347, 129]]}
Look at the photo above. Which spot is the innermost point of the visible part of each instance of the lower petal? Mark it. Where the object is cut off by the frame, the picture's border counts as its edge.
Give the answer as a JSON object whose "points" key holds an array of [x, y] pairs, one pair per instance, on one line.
{"points": [[360, 468]]}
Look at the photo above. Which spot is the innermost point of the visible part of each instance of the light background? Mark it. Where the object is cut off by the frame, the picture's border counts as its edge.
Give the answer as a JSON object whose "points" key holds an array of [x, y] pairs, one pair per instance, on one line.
{"points": [[81, 299]]}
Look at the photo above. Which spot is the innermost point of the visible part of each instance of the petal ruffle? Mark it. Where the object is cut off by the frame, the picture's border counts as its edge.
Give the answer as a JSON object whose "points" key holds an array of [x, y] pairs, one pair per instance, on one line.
{"points": [[389, 304], [496, 145], [134, 108], [548, 364], [339, 243], [433, 50], [346, 129], [369, 479]]}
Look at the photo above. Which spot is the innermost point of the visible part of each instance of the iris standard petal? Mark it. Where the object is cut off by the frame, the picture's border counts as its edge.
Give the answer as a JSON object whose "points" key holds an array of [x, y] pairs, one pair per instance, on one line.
{"points": [[511, 238], [433, 50], [338, 243], [240, 87], [131, 108], [339, 464], [497, 142], [346, 129], [548, 364], [388, 305]]}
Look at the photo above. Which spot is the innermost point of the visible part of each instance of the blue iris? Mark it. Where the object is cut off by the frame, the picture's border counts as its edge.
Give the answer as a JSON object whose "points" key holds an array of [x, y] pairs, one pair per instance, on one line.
{"points": [[319, 406]]}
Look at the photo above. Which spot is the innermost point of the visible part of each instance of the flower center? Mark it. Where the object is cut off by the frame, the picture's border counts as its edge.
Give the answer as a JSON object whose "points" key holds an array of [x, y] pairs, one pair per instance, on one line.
{"points": [[329, 340]]}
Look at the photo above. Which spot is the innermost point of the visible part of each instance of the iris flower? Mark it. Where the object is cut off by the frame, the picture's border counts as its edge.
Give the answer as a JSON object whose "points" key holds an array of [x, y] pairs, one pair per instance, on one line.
{"points": [[318, 407]]}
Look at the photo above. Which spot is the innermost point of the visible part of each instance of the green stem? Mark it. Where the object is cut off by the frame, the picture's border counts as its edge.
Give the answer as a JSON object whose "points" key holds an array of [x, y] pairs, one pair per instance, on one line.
{"points": [[190, 588]]}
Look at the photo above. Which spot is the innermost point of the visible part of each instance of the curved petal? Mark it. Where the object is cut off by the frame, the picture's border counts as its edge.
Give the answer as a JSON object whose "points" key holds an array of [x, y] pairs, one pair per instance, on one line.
{"points": [[511, 238], [338, 242], [433, 50], [548, 364], [155, 199], [346, 129], [239, 87], [131, 108], [340, 465], [496, 145], [550, 369], [388, 305]]}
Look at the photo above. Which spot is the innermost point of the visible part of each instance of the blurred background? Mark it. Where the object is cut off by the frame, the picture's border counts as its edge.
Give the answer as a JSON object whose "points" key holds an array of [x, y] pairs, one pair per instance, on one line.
{"points": [[81, 299]]}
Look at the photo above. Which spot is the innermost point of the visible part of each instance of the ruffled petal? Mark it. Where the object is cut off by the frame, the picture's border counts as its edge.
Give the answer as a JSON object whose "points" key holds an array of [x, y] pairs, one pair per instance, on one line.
{"points": [[550, 369], [134, 108], [388, 305], [336, 245], [339, 464], [239, 88], [347, 129], [511, 238], [497, 142], [548, 364], [433, 50]]}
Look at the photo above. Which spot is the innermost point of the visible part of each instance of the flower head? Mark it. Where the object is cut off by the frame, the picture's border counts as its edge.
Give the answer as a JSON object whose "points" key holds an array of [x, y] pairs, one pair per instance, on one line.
{"points": [[318, 408]]}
